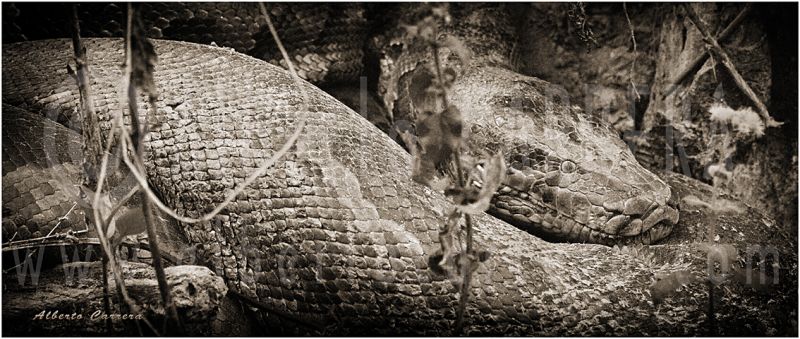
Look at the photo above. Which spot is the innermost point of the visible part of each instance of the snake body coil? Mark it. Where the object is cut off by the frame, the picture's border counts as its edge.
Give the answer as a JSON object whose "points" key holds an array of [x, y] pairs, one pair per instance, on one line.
{"points": [[574, 180], [336, 231]]}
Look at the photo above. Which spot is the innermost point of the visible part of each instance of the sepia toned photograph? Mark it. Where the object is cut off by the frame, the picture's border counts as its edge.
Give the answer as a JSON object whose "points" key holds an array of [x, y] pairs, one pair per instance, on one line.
{"points": [[560, 169]]}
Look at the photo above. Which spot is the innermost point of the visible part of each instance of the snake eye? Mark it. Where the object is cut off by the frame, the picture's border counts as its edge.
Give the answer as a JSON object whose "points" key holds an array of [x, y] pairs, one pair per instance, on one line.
{"points": [[568, 166]]}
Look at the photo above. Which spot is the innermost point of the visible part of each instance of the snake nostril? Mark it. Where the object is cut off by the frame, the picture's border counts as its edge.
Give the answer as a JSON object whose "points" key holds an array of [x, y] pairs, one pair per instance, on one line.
{"points": [[548, 196]]}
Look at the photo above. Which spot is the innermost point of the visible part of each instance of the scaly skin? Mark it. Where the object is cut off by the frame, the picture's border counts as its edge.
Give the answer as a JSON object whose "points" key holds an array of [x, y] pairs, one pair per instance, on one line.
{"points": [[574, 179], [36, 180], [325, 42], [41, 171], [337, 233], [570, 176]]}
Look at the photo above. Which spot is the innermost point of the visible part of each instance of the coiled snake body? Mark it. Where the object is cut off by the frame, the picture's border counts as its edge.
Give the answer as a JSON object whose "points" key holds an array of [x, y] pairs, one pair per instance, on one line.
{"points": [[336, 232], [341, 204], [574, 180]]}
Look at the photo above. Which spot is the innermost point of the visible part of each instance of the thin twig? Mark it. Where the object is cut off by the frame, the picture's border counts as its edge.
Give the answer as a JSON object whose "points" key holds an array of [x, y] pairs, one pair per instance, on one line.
{"points": [[59, 240], [285, 55], [40, 240], [137, 138], [30, 254], [106, 303], [466, 257], [91, 139], [635, 53], [64, 217], [700, 59], [723, 57]]}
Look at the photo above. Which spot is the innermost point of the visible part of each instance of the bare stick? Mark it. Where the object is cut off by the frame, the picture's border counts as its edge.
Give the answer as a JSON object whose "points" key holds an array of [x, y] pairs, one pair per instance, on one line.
{"points": [[466, 258], [635, 53], [92, 151], [702, 57], [466, 262], [106, 304], [92, 126], [60, 220], [91, 135], [466, 278], [723, 57], [137, 138], [91, 129], [100, 227]]}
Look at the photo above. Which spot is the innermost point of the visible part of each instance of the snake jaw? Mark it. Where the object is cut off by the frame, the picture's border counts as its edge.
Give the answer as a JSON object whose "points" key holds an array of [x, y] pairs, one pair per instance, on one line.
{"points": [[637, 215], [639, 219]]}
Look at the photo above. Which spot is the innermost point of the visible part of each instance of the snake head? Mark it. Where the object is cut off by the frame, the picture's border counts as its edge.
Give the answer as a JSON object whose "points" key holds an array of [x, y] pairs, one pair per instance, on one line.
{"points": [[607, 198], [570, 177]]}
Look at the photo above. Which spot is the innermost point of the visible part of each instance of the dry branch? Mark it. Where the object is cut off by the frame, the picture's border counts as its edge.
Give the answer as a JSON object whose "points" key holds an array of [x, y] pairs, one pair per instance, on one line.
{"points": [[702, 57], [92, 151], [91, 128], [635, 53], [139, 56], [723, 57]]}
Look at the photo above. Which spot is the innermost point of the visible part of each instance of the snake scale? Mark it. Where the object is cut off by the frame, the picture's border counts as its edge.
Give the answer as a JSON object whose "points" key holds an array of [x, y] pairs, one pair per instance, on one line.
{"points": [[336, 232]]}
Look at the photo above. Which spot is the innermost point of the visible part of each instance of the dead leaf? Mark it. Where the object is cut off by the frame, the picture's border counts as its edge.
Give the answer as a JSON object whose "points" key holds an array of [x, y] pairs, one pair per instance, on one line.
{"points": [[448, 255], [439, 136], [494, 174], [457, 46]]}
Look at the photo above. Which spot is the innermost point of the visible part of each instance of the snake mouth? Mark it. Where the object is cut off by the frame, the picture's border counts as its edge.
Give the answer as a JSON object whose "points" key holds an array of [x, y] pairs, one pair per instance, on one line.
{"points": [[636, 220]]}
